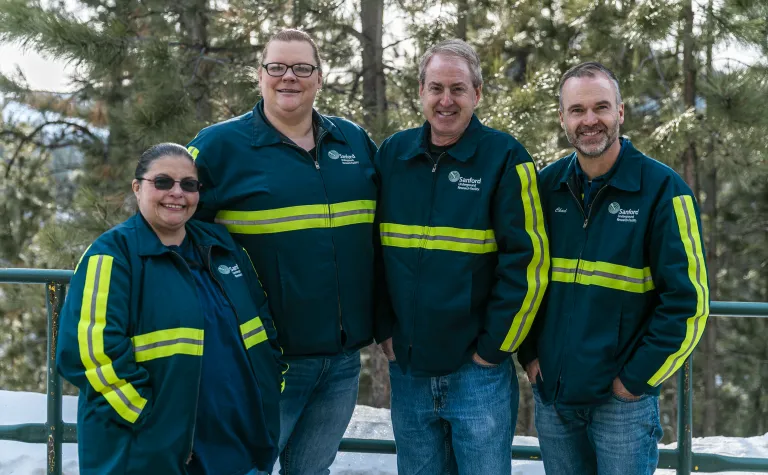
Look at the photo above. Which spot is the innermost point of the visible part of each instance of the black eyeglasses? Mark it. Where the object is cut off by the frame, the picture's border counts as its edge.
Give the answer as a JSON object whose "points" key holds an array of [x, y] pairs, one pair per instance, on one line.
{"points": [[300, 70], [164, 183]]}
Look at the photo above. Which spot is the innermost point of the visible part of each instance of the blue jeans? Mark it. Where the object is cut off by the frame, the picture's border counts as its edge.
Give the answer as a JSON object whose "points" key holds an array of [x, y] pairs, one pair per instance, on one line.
{"points": [[315, 409], [619, 437], [461, 423]]}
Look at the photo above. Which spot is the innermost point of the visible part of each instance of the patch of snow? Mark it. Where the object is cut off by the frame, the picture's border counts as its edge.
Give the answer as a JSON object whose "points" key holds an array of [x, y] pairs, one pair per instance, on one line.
{"points": [[17, 458]]}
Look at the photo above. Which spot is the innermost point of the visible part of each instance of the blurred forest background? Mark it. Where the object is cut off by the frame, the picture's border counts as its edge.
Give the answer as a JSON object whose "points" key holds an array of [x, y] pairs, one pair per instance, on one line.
{"points": [[693, 73]]}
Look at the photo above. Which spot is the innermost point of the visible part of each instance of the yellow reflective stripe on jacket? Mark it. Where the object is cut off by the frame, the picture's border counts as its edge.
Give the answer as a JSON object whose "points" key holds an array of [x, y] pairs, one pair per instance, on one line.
{"points": [[120, 394], [603, 274], [438, 238], [253, 332], [193, 151], [81, 257], [294, 218], [163, 343], [697, 273], [538, 269]]}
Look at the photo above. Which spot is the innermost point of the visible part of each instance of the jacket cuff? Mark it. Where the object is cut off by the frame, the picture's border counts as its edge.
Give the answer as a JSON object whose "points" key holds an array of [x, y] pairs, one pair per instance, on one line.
{"points": [[526, 354], [383, 328], [488, 350], [634, 386]]}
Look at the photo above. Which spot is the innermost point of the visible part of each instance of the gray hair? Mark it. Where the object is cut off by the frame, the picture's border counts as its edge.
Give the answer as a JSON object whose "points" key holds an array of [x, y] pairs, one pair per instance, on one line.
{"points": [[589, 69], [459, 49]]}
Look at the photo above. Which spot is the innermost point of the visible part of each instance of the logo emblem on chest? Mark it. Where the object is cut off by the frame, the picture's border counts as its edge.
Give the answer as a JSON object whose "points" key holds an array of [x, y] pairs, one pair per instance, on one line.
{"points": [[623, 215], [466, 184], [226, 270], [346, 159]]}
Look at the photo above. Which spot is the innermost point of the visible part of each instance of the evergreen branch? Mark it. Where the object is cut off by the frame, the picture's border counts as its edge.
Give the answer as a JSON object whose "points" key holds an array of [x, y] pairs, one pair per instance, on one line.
{"points": [[28, 138], [58, 34]]}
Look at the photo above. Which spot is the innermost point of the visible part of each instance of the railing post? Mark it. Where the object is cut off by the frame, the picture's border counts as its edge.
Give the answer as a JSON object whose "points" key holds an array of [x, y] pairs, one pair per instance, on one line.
{"points": [[684, 418], [54, 426]]}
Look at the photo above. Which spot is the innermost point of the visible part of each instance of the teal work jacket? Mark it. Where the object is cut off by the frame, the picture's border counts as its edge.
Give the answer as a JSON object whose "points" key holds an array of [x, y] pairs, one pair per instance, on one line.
{"points": [[306, 221], [131, 339], [464, 248], [629, 294]]}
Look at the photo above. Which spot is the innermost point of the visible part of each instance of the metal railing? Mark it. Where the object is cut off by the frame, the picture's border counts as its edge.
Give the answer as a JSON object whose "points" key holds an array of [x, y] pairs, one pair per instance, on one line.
{"points": [[54, 431]]}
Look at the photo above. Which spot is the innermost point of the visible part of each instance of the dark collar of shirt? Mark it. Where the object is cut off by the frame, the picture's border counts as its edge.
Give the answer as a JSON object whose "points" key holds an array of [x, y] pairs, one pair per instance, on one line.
{"points": [[590, 188]]}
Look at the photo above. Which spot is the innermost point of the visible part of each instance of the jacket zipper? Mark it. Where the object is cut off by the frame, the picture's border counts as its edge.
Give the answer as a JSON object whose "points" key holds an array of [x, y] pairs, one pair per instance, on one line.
{"points": [[199, 378], [421, 249], [586, 216], [323, 133]]}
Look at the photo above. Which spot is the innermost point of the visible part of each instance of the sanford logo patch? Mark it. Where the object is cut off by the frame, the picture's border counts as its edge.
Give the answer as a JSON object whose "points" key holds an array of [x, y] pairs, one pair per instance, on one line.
{"points": [[467, 184], [623, 215], [345, 159], [234, 270]]}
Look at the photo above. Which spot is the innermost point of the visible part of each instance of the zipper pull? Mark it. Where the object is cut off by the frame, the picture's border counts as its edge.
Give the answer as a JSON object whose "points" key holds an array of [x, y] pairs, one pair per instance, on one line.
{"points": [[434, 167], [585, 223], [317, 165]]}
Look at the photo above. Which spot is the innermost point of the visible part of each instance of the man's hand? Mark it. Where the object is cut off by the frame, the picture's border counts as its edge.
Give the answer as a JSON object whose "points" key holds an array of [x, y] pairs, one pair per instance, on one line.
{"points": [[532, 370], [476, 358], [621, 391], [386, 347]]}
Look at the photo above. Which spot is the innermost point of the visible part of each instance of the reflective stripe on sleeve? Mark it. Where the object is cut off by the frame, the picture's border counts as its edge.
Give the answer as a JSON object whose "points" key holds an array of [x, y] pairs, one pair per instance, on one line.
{"points": [[688, 227], [253, 332], [193, 151], [603, 274], [164, 343], [120, 394], [294, 218], [538, 269], [438, 238]]}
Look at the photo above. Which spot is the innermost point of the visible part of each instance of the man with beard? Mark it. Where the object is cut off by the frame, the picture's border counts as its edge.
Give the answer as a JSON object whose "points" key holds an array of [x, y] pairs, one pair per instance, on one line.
{"points": [[628, 297]]}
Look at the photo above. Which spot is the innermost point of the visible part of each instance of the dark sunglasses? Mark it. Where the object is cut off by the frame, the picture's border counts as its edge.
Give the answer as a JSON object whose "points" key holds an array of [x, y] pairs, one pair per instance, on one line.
{"points": [[164, 183]]}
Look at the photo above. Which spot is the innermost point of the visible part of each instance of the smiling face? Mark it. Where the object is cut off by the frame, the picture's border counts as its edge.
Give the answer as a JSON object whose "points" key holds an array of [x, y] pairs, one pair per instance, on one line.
{"points": [[448, 98], [167, 211], [289, 96], [590, 115]]}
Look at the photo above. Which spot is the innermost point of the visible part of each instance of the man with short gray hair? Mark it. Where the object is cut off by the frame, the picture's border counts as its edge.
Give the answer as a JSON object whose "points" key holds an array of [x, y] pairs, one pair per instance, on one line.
{"points": [[464, 265]]}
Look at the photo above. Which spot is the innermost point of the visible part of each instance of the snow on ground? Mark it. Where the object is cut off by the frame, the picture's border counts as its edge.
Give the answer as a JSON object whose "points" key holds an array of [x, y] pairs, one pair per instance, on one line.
{"points": [[18, 458]]}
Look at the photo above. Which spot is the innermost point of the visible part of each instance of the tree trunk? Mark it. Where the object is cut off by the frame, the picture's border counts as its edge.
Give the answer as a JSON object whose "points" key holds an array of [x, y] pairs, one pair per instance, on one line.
{"points": [[374, 380], [709, 210], [462, 11], [193, 20], [298, 13], [374, 85], [689, 93]]}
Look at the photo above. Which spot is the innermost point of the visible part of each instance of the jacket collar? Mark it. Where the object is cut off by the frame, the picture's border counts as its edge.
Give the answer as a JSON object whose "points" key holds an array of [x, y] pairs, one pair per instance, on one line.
{"points": [[265, 134], [627, 174], [150, 245], [463, 150]]}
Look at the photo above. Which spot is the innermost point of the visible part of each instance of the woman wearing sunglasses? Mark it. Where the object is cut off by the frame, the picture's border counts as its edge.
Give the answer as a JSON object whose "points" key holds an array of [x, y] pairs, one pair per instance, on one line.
{"points": [[297, 190], [167, 333]]}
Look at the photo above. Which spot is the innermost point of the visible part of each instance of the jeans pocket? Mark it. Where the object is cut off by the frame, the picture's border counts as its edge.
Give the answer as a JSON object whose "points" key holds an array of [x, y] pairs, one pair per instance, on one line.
{"points": [[626, 400], [493, 366]]}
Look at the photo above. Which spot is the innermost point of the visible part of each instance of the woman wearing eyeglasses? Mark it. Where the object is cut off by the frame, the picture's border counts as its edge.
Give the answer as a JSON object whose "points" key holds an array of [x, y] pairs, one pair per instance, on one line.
{"points": [[167, 333], [296, 188]]}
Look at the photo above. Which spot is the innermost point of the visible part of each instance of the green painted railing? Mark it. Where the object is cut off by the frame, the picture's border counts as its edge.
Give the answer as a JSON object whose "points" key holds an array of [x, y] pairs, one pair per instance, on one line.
{"points": [[55, 432]]}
